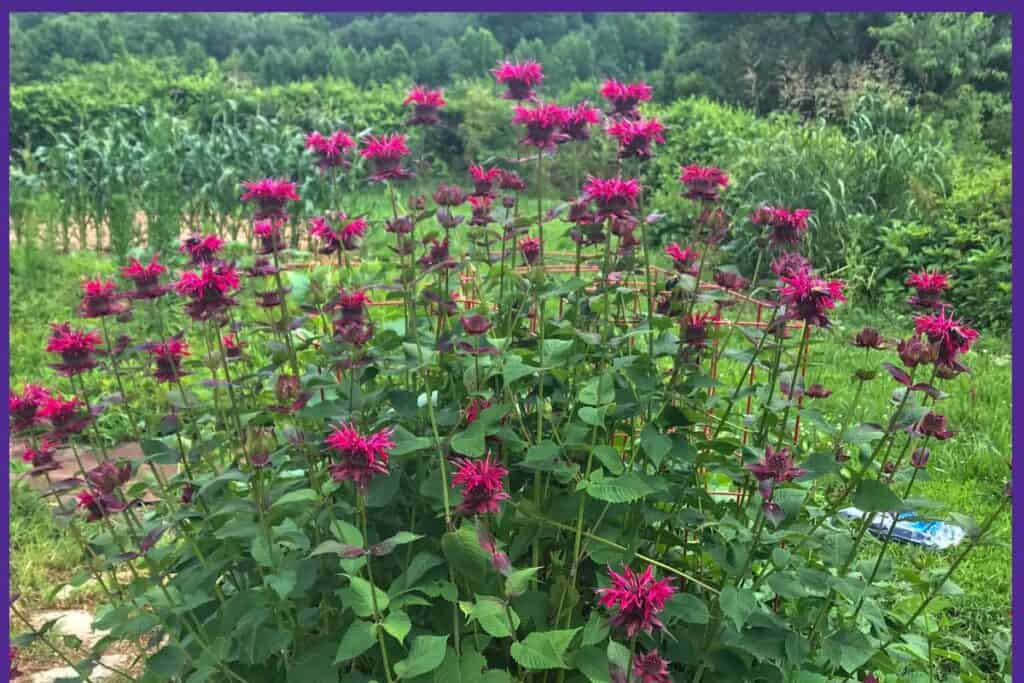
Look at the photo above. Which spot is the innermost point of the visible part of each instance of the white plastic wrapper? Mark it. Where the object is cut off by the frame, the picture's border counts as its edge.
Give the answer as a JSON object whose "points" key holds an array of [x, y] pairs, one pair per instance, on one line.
{"points": [[910, 529]]}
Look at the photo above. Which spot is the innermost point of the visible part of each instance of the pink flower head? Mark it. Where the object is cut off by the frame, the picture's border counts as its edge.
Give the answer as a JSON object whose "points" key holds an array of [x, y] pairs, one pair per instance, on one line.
{"points": [[201, 248], [449, 195], [330, 151], [614, 196], [638, 598], [168, 356], [271, 195], [624, 97], [510, 180], [107, 477], [99, 299], [934, 425], [209, 289], [635, 136], [76, 349], [360, 458], [929, 285], [789, 264], [776, 465], [352, 304], [481, 205], [475, 407], [64, 416], [703, 183], [734, 282], [475, 324], [42, 457], [437, 255], [232, 346], [146, 278], [98, 506], [519, 78], [684, 260], [786, 227], [949, 335], [386, 152], [23, 408], [650, 668], [530, 248], [484, 178], [269, 232], [425, 103], [695, 329], [482, 486], [808, 297], [542, 124], [580, 117]]}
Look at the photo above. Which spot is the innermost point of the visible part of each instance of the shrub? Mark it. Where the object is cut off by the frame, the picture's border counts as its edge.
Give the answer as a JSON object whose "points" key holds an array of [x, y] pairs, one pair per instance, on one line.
{"points": [[439, 465]]}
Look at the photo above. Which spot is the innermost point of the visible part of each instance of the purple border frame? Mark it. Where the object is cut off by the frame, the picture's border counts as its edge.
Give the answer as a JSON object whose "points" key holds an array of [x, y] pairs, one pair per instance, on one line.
{"points": [[995, 6]]}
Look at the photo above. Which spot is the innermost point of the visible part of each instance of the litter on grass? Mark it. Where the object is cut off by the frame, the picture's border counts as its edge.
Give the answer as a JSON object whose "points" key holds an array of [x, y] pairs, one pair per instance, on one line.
{"points": [[911, 529]]}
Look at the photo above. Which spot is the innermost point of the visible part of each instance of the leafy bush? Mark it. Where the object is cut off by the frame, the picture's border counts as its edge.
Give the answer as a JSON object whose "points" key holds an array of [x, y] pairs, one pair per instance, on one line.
{"points": [[487, 471]]}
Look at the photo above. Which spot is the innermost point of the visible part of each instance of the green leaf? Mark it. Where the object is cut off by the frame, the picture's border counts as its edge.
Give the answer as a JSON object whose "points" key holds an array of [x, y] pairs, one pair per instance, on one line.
{"points": [[738, 605], [471, 441], [625, 489], [688, 608], [360, 637], [610, 458], [463, 552], [167, 663], [596, 629], [362, 598], [334, 548], [426, 654], [655, 444], [544, 649], [397, 624], [406, 442], [593, 663], [518, 581], [388, 545], [295, 497], [490, 613], [283, 583], [598, 391], [515, 369], [874, 496]]}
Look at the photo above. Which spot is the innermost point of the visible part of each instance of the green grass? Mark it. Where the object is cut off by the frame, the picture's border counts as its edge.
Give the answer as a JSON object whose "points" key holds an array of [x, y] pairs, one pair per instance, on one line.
{"points": [[965, 475]]}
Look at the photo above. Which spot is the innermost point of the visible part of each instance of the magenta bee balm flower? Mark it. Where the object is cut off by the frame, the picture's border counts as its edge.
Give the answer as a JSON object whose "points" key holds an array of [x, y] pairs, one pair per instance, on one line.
{"points": [[635, 136], [950, 335], [76, 349], [146, 278], [542, 124], [481, 205], [269, 233], [23, 408], [580, 117], [426, 105], [530, 249], [703, 183], [360, 458], [929, 285], [271, 196], [386, 152], [807, 297], [482, 486], [614, 197], [100, 298], [98, 506], [201, 248], [776, 465], [208, 289], [650, 668], [786, 227], [41, 458], [64, 416], [330, 151], [683, 260], [624, 97], [519, 78], [637, 599], [510, 180], [449, 195], [789, 264], [168, 356], [484, 179]]}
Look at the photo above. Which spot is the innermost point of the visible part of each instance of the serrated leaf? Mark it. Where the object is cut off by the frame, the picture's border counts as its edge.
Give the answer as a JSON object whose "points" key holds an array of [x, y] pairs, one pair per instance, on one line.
{"points": [[360, 637], [625, 489], [542, 650], [425, 655]]}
